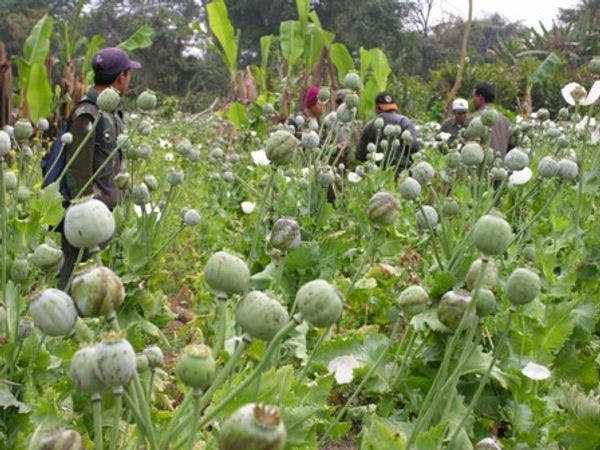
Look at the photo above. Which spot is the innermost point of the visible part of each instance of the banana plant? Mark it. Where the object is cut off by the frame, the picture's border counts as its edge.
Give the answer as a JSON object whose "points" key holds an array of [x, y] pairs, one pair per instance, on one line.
{"points": [[228, 37], [35, 94]]}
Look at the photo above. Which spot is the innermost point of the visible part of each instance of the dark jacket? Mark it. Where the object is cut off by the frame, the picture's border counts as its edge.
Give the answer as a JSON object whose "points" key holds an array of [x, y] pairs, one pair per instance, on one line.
{"points": [[369, 134], [95, 152]]}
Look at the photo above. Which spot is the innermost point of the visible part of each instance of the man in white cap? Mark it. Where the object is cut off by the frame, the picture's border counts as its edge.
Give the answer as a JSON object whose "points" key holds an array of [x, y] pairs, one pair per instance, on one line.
{"points": [[454, 124]]}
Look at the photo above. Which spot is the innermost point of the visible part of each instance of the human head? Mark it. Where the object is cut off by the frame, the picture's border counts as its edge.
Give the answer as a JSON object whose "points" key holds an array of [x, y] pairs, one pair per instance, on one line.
{"points": [[482, 95], [384, 101], [460, 107], [340, 96], [112, 67], [311, 101]]}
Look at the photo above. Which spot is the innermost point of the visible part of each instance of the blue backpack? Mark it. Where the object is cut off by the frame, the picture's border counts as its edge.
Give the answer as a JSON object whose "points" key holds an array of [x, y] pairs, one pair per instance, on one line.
{"points": [[55, 159]]}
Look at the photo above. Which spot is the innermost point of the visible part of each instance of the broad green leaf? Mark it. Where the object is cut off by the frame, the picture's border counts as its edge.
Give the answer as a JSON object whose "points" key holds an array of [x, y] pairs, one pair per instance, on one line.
{"points": [[558, 326], [366, 108], [141, 38], [237, 114], [290, 40], [380, 68], [265, 50], [39, 93], [479, 362], [342, 60], [303, 257], [92, 48], [544, 70], [37, 44], [313, 46], [432, 438], [8, 400], [428, 320], [365, 62], [302, 6], [48, 205], [222, 28], [382, 433]]}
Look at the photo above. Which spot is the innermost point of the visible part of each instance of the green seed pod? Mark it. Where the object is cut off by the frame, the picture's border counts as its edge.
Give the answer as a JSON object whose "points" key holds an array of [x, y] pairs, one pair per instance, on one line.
{"points": [[492, 235], [498, 173], [10, 180], [352, 100], [563, 114], [406, 137], [595, 65], [516, 159], [410, 189], [542, 114], [382, 208], [523, 286], [310, 139], [183, 147], [155, 356], [191, 218], [47, 257], [325, 176], [123, 181], [450, 207], [5, 143], [175, 177], [25, 328], [142, 151], [23, 194], [567, 169], [108, 100], [489, 117], [216, 153], [323, 95], [88, 223], [53, 312], [548, 167], [228, 176], [20, 269], [281, 147], [196, 367], [452, 307], [253, 427], [23, 130], [472, 154], [226, 273], [194, 156], [485, 302], [141, 363], [320, 303], [476, 129], [378, 123], [140, 194], [453, 159], [97, 292], [115, 360], [260, 315], [490, 277], [63, 440], [430, 217], [151, 182], [352, 81], [83, 373], [344, 113], [413, 300], [552, 133], [285, 234], [146, 101], [423, 172]]}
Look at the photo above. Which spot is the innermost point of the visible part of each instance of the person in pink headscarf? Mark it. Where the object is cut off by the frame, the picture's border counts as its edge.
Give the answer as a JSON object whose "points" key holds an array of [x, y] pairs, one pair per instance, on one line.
{"points": [[312, 105]]}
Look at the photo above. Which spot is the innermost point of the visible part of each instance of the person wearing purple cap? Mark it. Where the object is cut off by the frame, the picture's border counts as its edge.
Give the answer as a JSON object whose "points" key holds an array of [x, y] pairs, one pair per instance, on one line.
{"points": [[112, 68]]}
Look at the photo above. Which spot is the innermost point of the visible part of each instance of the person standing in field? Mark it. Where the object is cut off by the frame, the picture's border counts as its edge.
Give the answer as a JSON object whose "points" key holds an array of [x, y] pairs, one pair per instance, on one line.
{"points": [[483, 97], [112, 68], [459, 121], [387, 114]]}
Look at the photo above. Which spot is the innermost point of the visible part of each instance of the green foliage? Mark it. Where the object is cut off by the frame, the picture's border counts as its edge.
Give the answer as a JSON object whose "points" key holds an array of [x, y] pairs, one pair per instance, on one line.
{"points": [[220, 25]]}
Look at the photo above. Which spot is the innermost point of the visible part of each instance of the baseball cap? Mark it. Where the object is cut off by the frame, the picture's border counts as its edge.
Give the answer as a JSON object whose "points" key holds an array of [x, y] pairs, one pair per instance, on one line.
{"points": [[112, 61], [385, 101], [460, 105]]}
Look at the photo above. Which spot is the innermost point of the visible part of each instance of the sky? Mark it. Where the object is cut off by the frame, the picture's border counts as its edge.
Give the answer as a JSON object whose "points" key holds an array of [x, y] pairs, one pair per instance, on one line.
{"points": [[530, 12]]}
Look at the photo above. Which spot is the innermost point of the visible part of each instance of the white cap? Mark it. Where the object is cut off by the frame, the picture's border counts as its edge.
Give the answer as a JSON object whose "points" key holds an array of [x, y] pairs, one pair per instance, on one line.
{"points": [[460, 105]]}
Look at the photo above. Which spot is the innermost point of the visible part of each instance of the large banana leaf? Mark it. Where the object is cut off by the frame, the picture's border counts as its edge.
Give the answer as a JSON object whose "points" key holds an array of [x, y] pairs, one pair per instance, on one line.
{"points": [[141, 38], [342, 60], [290, 39], [545, 69], [313, 46], [380, 68], [220, 25], [37, 44], [39, 94], [302, 6]]}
